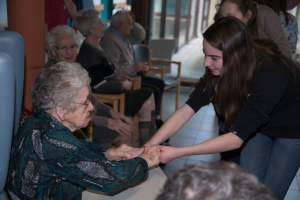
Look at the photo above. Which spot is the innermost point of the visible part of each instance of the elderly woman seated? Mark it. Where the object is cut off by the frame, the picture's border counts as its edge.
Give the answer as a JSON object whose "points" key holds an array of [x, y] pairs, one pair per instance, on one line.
{"points": [[109, 125], [92, 57], [48, 162]]}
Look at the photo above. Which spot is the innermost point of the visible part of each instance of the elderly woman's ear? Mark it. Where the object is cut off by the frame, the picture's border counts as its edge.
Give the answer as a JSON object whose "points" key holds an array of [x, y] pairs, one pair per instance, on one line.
{"points": [[60, 112], [53, 52]]}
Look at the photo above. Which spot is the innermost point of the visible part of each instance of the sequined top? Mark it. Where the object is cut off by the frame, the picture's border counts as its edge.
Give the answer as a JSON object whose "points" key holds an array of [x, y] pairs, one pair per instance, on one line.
{"points": [[48, 162]]}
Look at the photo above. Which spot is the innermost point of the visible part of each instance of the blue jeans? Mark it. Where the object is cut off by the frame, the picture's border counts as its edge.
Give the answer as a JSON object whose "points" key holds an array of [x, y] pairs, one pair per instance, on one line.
{"points": [[275, 161]]}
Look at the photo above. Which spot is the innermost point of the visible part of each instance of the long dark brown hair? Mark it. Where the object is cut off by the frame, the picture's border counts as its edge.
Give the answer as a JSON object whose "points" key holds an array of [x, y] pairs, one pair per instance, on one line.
{"points": [[242, 55], [244, 6]]}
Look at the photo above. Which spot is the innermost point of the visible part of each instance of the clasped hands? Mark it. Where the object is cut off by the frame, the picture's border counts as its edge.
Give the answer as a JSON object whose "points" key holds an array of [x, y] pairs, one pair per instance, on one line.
{"points": [[151, 154]]}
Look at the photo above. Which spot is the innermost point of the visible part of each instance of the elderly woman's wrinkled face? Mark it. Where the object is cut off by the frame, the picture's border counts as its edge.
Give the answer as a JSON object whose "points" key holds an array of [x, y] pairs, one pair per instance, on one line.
{"points": [[65, 49], [81, 116], [98, 31]]}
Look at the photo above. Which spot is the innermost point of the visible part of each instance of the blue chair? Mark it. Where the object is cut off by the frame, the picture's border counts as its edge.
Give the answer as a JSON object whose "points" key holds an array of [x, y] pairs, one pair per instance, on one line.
{"points": [[11, 92], [142, 53]]}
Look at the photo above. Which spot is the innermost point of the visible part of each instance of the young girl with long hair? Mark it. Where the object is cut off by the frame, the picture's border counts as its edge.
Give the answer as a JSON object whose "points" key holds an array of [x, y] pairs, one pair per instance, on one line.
{"points": [[256, 88]]}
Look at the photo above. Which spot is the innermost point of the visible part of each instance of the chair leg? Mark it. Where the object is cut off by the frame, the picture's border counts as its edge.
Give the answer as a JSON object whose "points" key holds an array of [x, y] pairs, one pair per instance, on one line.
{"points": [[135, 119], [177, 95]]}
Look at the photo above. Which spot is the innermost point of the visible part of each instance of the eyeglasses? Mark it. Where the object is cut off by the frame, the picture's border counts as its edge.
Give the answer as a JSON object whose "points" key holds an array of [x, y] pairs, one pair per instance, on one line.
{"points": [[88, 101], [64, 49]]}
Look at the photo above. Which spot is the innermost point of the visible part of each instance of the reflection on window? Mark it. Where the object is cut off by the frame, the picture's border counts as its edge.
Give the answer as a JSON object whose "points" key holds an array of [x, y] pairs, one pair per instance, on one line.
{"points": [[183, 22], [170, 19], [157, 18]]}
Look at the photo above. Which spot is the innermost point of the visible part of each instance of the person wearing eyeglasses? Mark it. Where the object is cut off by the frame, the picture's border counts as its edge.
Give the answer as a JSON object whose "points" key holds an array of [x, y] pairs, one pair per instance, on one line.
{"points": [[48, 162], [109, 125]]}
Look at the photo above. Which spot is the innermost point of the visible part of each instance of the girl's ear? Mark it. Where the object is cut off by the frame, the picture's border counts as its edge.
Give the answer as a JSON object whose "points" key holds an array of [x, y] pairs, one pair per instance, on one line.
{"points": [[248, 14]]}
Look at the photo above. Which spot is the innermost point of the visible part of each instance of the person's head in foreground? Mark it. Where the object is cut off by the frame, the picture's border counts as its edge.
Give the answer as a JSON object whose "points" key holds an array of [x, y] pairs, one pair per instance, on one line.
{"points": [[213, 181], [48, 162], [232, 56], [62, 44]]}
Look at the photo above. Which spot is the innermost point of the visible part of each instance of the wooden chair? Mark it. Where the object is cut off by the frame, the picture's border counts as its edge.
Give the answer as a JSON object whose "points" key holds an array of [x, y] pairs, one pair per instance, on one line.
{"points": [[116, 100], [118, 103], [142, 53]]}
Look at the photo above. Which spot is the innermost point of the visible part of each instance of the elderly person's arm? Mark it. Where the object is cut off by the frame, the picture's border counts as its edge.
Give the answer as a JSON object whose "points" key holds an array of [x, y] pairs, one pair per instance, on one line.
{"points": [[85, 164]]}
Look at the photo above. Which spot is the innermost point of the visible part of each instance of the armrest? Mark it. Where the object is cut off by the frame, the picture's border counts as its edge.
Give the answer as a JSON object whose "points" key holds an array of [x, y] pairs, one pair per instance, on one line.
{"points": [[136, 82], [178, 63], [114, 99]]}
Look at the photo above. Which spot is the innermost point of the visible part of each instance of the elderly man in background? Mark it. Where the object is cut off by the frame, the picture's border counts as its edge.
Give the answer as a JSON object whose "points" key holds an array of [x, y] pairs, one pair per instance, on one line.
{"points": [[117, 44], [48, 162]]}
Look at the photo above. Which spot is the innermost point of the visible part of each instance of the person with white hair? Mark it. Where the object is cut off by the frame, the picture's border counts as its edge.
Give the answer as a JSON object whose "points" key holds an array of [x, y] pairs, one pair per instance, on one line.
{"points": [[48, 162], [220, 180]]}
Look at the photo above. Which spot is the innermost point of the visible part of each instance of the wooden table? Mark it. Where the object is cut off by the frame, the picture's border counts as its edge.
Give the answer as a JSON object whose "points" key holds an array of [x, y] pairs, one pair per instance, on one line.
{"points": [[147, 190]]}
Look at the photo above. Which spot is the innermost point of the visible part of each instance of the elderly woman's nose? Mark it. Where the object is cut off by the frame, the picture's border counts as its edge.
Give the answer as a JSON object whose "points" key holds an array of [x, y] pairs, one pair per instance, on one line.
{"points": [[91, 107]]}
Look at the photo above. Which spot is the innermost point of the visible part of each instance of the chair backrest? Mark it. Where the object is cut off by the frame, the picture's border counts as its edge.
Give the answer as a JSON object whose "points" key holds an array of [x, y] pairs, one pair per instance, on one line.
{"points": [[140, 53], [11, 92], [12, 43], [163, 49]]}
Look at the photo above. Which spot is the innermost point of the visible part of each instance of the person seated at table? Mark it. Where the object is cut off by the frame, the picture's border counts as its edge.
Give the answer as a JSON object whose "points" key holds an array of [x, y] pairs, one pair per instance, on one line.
{"points": [[119, 51], [48, 162], [104, 78], [109, 125], [220, 180]]}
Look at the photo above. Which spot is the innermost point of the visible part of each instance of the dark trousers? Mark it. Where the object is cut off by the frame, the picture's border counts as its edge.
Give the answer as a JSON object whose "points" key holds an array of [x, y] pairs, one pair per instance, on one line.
{"points": [[158, 86]]}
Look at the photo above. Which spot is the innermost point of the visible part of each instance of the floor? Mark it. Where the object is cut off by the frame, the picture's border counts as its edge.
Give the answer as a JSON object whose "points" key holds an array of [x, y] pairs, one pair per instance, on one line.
{"points": [[201, 127]]}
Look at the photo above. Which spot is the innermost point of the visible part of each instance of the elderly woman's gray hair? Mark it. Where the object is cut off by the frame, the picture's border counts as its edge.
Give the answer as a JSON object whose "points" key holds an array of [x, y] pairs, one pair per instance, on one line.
{"points": [[119, 17], [60, 30], [220, 180], [58, 85], [85, 20]]}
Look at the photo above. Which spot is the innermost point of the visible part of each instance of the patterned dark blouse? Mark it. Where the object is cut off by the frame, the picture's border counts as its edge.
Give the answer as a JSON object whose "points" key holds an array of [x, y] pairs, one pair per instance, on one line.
{"points": [[48, 162]]}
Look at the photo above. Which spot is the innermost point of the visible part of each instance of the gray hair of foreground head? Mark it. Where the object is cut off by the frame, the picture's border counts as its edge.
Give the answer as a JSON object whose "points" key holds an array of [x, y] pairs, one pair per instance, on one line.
{"points": [[213, 180], [85, 20], [58, 85], [119, 17], [60, 30]]}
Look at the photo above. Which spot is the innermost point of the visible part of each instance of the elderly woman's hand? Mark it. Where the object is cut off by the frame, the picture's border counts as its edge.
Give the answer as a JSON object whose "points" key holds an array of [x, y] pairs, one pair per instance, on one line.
{"points": [[116, 115], [151, 155], [119, 126], [120, 153]]}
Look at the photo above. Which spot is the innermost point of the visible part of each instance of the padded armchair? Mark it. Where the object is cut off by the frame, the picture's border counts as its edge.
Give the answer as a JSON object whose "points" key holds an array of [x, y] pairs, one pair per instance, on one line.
{"points": [[142, 53], [11, 92]]}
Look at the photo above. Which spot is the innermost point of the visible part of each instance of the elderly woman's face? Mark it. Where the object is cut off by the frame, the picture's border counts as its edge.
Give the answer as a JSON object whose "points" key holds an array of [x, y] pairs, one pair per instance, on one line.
{"points": [[81, 116], [65, 49], [98, 31]]}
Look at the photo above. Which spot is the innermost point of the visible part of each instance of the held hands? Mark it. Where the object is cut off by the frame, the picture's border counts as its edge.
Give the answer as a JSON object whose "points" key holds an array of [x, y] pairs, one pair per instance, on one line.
{"points": [[167, 153], [150, 154], [141, 67], [120, 153]]}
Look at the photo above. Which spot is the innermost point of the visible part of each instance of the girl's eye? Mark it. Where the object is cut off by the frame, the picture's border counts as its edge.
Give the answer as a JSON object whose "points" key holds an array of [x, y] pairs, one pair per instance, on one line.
{"points": [[213, 58]]}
